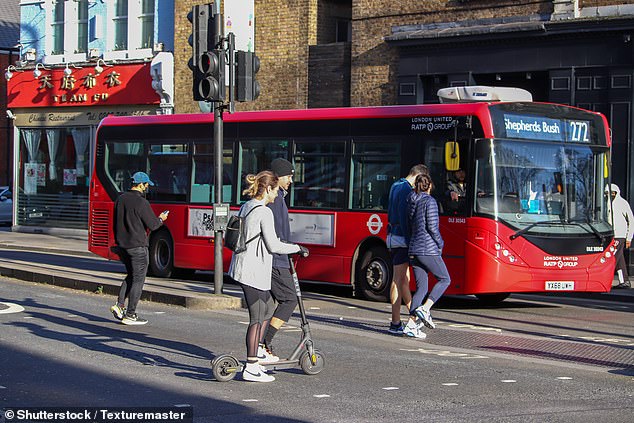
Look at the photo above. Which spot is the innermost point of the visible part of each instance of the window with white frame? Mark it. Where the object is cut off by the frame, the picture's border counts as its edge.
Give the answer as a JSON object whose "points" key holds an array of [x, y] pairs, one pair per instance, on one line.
{"points": [[120, 25], [123, 39], [147, 24], [82, 26], [58, 27], [66, 37]]}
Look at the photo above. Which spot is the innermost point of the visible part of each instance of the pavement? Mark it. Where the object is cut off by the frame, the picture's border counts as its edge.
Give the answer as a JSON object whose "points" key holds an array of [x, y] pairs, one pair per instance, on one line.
{"points": [[64, 260]]}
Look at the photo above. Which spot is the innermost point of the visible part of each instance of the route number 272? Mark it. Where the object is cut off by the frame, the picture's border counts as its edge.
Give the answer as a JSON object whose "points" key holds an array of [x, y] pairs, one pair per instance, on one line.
{"points": [[579, 131]]}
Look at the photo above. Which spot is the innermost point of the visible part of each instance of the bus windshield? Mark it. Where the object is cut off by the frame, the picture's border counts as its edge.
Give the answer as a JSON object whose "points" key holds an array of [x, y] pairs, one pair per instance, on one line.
{"points": [[542, 188]]}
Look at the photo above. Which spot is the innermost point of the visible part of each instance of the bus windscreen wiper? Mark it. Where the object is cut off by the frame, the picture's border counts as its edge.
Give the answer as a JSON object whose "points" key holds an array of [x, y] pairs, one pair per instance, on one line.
{"points": [[531, 226], [594, 230]]}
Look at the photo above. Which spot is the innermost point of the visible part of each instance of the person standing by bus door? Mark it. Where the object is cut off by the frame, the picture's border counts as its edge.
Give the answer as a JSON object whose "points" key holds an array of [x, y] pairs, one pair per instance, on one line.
{"points": [[425, 254], [282, 285], [133, 216], [252, 268], [622, 221], [397, 228]]}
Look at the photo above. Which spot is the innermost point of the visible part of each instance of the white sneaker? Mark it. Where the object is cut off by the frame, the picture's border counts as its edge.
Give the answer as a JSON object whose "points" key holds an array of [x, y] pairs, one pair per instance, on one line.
{"points": [[412, 330], [265, 356], [253, 373], [425, 316]]}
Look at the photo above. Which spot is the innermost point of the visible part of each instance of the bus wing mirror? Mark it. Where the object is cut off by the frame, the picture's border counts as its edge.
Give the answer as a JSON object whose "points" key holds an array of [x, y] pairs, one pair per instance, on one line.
{"points": [[452, 156]]}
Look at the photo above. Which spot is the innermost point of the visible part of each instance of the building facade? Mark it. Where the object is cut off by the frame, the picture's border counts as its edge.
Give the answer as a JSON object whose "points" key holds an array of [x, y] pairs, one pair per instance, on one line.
{"points": [[9, 36], [80, 61]]}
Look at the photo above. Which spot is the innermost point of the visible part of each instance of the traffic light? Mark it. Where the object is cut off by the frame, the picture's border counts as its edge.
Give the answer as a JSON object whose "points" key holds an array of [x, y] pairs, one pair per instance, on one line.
{"points": [[247, 87], [207, 62]]}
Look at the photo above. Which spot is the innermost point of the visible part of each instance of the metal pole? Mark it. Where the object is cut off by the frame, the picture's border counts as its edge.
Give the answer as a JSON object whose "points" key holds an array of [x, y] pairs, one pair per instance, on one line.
{"points": [[218, 137]]}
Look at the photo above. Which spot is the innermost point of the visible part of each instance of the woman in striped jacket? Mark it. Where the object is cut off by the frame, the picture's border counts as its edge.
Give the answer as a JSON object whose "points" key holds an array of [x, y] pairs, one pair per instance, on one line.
{"points": [[425, 254]]}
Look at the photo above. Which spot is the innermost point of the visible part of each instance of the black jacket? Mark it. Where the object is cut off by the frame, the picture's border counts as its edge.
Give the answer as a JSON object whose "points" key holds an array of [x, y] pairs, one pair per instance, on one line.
{"points": [[282, 227], [133, 216]]}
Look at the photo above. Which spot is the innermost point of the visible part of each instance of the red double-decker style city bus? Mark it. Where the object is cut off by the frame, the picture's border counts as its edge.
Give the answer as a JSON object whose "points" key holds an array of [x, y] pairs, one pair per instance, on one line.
{"points": [[535, 217]]}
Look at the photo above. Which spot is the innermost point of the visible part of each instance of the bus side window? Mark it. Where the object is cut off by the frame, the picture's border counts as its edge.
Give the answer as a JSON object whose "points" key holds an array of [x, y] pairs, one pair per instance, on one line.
{"points": [[320, 174], [375, 167]]}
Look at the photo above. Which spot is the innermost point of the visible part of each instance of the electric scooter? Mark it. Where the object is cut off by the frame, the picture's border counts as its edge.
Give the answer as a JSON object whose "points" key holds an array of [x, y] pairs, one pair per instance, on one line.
{"points": [[225, 367]]}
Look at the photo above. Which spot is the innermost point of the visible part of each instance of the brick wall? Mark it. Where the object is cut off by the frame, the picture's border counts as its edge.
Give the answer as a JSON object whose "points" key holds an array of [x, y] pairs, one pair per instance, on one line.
{"points": [[373, 74], [284, 31], [329, 70]]}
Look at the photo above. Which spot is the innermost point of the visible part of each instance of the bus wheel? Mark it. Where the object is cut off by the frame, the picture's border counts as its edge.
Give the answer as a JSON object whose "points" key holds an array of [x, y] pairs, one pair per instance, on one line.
{"points": [[374, 275], [492, 299], [161, 255]]}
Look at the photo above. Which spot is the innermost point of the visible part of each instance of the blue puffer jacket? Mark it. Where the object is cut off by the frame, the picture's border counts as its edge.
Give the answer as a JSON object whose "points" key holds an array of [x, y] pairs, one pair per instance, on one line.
{"points": [[424, 237]]}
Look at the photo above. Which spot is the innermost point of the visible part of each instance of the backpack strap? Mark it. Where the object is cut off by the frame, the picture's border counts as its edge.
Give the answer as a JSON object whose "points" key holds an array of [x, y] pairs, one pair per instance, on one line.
{"points": [[245, 219]]}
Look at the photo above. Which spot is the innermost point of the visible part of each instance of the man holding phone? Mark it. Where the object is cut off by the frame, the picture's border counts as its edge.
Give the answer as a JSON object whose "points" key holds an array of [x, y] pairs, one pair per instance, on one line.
{"points": [[133, 216]]}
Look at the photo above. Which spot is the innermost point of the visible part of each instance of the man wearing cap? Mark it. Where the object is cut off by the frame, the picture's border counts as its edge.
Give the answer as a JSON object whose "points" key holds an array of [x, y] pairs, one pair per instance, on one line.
{"points": [[282, 285], [622, 221], [133, 216]]}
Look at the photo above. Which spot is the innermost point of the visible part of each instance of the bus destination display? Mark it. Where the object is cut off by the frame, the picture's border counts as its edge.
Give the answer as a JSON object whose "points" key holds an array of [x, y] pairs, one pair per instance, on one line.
{"points": [[547, 129]]}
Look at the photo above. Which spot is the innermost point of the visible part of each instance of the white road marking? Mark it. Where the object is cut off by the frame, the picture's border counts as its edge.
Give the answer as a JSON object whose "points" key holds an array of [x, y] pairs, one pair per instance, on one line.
{"points": [[444, 353], [182, 405], [159, 312], [564, 378], [450, 384], [11, 308], [485, 328], [619, 341], [3, 387], [352, 307], [322, 396], [390, 388], [250, 400], [72, 315], [508, 381], [314, 308], [28, 317]]}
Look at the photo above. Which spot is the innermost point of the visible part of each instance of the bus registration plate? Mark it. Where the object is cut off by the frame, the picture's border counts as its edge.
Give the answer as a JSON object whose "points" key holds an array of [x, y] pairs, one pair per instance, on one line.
{"points": [[560, 286]]}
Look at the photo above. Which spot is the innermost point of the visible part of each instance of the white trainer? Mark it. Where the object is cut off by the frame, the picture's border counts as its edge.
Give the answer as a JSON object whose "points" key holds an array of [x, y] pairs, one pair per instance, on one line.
{"points": [[413, 331], [253, 373], [265, 356]]}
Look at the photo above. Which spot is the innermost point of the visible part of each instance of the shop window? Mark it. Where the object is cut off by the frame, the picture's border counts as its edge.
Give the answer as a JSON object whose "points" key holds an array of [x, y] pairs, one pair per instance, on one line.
{"points": [[375, 167], [54, 177], [320, 174]]}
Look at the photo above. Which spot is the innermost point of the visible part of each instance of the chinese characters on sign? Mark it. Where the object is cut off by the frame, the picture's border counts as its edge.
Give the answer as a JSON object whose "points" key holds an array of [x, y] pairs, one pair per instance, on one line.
{"points": [[88, 82]]}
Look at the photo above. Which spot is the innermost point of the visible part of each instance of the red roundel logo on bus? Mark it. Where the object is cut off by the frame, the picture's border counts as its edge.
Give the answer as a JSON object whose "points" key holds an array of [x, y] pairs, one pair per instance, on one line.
{"points": [[375, 224]]}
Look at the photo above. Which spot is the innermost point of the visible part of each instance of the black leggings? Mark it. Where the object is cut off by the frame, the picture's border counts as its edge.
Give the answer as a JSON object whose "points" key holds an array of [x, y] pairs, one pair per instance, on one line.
{"points": [[260, 304]]}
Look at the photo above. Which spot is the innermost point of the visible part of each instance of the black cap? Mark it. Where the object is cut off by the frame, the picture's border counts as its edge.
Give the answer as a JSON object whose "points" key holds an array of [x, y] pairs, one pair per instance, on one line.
{"points": [[282, 167]]}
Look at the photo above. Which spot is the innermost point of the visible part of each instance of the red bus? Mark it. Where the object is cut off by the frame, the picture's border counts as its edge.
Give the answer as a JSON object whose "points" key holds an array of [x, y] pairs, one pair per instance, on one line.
{"points": [[534, 219]]}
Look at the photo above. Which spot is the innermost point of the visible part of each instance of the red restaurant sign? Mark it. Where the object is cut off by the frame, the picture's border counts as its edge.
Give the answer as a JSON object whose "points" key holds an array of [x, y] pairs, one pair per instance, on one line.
{"points": [[116, 85]]}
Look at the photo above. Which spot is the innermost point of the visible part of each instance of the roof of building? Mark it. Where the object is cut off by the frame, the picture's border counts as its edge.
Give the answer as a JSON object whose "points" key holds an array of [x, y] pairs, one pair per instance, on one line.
{"points": [[9, 23]]}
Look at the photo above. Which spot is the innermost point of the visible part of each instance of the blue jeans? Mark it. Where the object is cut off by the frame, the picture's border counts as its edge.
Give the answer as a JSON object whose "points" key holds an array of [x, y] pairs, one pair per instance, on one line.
{"points": [[423, 265], [136, 262]]}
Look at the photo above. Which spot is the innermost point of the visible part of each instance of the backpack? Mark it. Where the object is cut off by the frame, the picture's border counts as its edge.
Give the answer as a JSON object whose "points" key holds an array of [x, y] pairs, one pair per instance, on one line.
{"points": [[236, 233]]}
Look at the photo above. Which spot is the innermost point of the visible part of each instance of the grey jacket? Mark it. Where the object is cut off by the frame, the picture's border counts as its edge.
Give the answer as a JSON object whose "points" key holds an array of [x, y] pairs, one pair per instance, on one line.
{"points": [[253, 266]]}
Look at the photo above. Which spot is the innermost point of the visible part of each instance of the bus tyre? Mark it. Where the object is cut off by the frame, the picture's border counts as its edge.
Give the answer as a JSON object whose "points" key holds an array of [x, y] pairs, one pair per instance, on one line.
{"points": [[492, 299], [374, 275], [161, 255]]}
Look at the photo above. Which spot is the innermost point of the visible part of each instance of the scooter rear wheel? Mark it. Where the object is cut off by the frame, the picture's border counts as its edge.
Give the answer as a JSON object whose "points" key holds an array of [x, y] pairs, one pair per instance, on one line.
{"points": [[308, 366], [225, 367]]}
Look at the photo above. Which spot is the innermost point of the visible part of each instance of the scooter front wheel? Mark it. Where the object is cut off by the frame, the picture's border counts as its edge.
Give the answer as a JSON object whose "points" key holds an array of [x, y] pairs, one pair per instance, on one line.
{"points": [[312, 365], [225, 367]]}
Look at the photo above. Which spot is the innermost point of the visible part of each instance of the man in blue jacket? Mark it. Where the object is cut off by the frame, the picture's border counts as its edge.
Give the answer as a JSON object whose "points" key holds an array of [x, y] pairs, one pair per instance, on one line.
{"points": [[397, 233], [282, 285]]}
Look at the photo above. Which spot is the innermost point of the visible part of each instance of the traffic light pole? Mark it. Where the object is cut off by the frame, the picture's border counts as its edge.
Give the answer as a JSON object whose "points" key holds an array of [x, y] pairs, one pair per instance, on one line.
{"points": [[218, 148], [218, 241]]}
